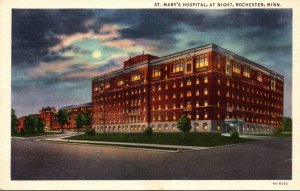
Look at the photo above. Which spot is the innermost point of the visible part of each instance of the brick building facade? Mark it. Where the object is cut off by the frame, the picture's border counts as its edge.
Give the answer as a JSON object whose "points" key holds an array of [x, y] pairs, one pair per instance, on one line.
{"points": [[217, 89], [48, 116], [75, 110]]}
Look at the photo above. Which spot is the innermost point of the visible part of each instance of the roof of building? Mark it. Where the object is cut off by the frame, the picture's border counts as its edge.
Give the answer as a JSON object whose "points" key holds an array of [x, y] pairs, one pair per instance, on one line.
{"points": [[207, 46], [78, 106]]}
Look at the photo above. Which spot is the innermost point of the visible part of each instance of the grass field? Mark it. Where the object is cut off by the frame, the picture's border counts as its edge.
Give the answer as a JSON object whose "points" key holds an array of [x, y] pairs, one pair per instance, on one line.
{"points": [[33, 134], [192, 139]]}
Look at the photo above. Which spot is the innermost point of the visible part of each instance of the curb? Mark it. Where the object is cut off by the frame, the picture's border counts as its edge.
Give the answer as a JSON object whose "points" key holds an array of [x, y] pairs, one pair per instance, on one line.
{"points": [[111, 146]]}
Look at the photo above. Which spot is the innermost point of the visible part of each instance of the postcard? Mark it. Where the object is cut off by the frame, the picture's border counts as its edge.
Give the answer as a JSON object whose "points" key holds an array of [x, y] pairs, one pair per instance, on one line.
{"points": [[149, 95]]}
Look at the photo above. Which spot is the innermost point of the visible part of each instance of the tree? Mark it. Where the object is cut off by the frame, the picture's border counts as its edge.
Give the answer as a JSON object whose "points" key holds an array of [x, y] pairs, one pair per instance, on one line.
{"points": [[14, 122], [62, 118], [33, 124], [83, 120], [287, 124], [184, 125]]}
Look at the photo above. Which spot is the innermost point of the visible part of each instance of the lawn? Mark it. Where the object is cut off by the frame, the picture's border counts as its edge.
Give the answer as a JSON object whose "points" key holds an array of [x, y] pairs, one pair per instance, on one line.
{"points": [[192, 139], [34, 134]]}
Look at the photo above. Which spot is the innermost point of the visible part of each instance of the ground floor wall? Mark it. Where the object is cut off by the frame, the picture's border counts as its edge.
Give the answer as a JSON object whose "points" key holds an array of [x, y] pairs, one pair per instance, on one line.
{"points": [[197, 126]]}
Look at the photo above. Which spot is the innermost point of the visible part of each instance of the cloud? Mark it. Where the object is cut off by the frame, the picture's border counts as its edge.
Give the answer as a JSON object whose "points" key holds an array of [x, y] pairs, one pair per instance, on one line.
{"points": [[107, 31], [120, 43]]}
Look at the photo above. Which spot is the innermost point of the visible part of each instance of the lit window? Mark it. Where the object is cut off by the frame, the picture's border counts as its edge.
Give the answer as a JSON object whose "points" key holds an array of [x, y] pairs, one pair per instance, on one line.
{"points": [[246, 72], [201, 61], [197, 93], [273, 84], [159, 87], [178, 67], [174, 117], [205, 91], [166, 106], [197, 81], [205, 115], [174, 106], [205, 126], [197, 117], [135, 77], [181, 105], [181, 95], [107, 85], [189, 104], [166, 86], [181, 84], [228, 67], [166, 96], [159, 97], [189, 82], [237, 68], [120, 82], [166, 118], [156, 72], [219, 93], [174, 95], [189, 66], [259, 77], [197, 104], [189, 94], [189, 116], [174, 85], [205, 79], [219, 81], [205, 103]]}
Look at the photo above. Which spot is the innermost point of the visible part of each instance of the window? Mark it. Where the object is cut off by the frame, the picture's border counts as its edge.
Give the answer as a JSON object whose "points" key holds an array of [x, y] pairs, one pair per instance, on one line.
{"points": [[166, 96], [197, 93], [107, 85], [246, 72], [197, 103], [189, 94], [174, 106], [205, 91], [219, 81], [159, 87], [174, 117], [159, 97], [205, 115], [228, 67], [178, 67], [189, 82], [205, 126], [174, 95], [174, 85], [181, 84], [273, 84], [181, 105], [166, 86], [156, 72], [205, 79], [197, 81], [205, 102], [189, 66], [259, 77], [135, 77], [201, 61], [120, 82], [237, 68], [166, 106], [189, 104]]}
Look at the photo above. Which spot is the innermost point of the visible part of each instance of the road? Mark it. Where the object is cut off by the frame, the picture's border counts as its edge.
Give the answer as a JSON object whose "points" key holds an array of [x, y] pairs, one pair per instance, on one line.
{"points": [[262, 160]]}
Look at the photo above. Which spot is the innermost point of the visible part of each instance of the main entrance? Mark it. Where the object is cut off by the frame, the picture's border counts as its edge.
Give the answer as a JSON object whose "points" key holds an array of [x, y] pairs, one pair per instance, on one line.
{"points": [[234, 123]]}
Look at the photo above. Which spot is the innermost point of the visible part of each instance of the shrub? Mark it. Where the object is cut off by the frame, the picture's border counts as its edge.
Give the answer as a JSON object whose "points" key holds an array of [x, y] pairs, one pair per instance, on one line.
{"points": [[148, 131], [90, 131], [277, 131], [234, 134]]}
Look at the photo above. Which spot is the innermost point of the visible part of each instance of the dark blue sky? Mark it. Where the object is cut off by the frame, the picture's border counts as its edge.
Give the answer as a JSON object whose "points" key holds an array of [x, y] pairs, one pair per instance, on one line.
{"points": [[56, 52]]}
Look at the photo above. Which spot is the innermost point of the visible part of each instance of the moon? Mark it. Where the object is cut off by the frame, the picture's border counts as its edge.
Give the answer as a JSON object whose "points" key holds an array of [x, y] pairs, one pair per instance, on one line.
{"points": [[96, 53]]}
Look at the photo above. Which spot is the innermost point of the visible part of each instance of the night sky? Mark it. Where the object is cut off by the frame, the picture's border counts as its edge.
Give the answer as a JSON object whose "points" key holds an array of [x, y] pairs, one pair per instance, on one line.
{"points": [[55, 53]]}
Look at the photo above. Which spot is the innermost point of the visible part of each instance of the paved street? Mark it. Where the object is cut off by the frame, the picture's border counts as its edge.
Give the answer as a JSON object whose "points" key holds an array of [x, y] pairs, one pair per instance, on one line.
{"points": [[269, 159]]}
